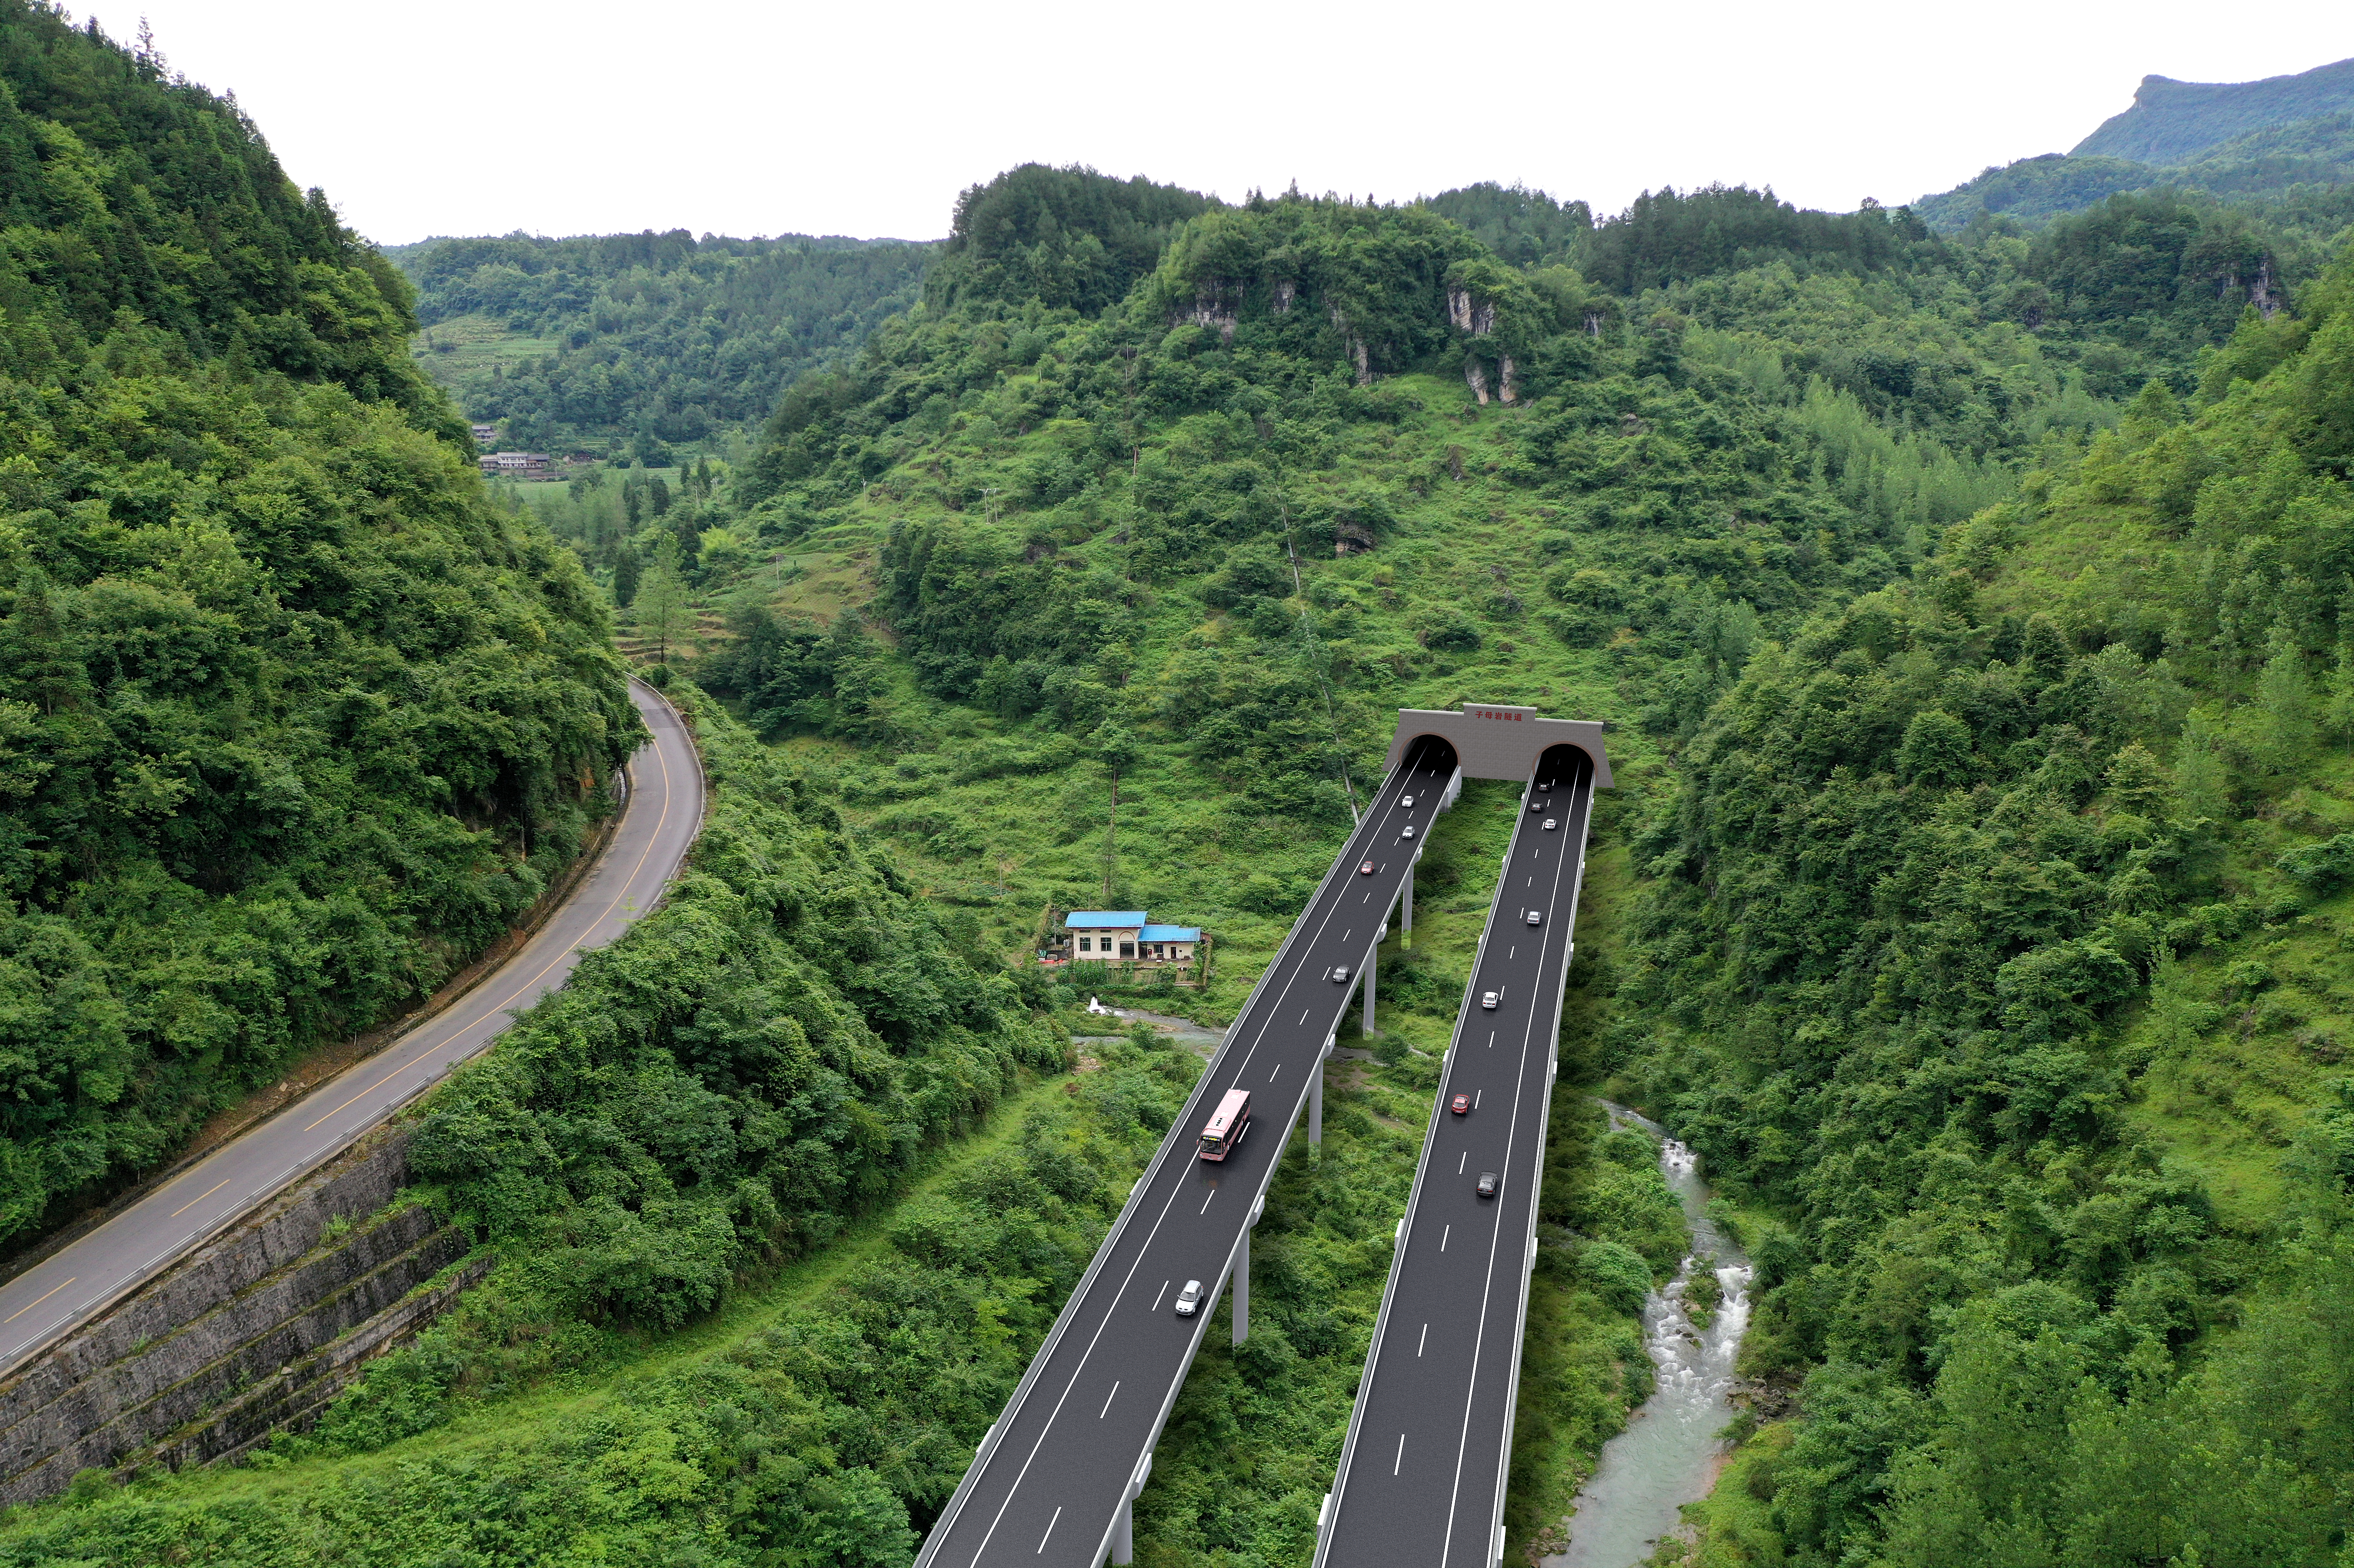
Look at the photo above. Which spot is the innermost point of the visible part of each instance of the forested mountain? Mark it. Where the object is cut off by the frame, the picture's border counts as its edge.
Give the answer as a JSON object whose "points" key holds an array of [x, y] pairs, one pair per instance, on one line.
{"points": [[626, 345], [2176, 121], [2290, 138], [1974, 606], [292, 721]]}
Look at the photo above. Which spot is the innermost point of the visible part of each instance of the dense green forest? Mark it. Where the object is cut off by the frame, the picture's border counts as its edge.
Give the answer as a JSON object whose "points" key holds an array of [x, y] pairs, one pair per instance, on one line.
{"points": [[1973, 605], [292, 721], [625, 345]]}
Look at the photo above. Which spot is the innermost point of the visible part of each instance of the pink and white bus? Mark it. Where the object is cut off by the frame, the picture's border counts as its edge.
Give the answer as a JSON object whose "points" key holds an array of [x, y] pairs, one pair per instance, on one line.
{"points": [[1226, 1124]]}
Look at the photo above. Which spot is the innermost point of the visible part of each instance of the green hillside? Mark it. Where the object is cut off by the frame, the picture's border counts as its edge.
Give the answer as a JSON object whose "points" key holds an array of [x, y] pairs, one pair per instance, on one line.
{"points": [[292, 721], [2290, 139], [624, 345], [1973, 613], [2176, 121]]}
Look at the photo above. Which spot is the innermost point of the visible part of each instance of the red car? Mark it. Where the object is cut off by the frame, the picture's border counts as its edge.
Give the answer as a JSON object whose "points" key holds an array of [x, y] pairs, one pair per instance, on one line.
{"points": [[1366, 869], [1460, 1104]]}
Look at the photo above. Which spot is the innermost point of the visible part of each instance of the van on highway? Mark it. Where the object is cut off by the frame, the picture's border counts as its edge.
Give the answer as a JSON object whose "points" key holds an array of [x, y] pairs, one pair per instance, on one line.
{"points": [[1226, 1124]]}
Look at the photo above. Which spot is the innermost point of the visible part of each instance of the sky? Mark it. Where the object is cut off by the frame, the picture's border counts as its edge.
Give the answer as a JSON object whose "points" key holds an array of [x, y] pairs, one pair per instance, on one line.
{"points": [[778, 116]]}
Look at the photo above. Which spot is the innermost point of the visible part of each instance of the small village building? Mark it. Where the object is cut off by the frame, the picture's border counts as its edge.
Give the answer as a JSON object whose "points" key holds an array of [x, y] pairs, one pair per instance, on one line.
{"points": [[515, 462], [486, 434], [1127, 936]]}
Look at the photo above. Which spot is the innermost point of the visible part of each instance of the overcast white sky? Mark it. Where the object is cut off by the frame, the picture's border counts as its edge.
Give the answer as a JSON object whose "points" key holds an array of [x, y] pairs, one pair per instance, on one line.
{"points": [[737, 117]]}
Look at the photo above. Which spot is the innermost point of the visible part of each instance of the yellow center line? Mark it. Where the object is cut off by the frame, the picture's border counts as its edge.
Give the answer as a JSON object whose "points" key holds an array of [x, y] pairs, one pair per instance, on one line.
{"points": [[30, 1304], [654, 839], [197, 1199]]}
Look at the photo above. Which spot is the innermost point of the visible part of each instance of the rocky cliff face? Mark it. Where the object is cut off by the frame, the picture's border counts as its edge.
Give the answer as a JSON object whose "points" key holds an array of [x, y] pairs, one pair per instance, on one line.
{"points": [[259, 1329]]}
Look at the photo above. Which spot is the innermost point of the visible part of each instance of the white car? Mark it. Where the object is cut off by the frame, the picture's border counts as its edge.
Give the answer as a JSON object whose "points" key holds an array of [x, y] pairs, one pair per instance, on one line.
{"points": [[1341, 973], [1189, 1300], [1536, 917], [1551, 824], [1488, 1000], [1407, 802], [1409, 832]]}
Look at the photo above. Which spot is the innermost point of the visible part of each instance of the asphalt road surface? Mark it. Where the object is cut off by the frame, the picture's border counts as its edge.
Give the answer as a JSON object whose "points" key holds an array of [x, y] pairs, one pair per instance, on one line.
{"points": [[662, 812], [1421, 1482], [1051, 1476]]}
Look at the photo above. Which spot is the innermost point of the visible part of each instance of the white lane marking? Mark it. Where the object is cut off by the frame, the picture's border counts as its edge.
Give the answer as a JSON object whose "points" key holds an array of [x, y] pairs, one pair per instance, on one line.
{"points": [[1113, 1395], [197, 1199], [1050, 1532], [1443, 1235], [1492, 1038], [30, 1304], [1278, 1068], [1260, 1037], [1401, 1455], [1423, 1341], [1206, 1203], [1349, 933], [499, 1010], [1513, 954], [1462, 1162], [1496, 1240], [1054, 1413], [1474, 1098], [1164, 1290], [1532, 881], [1303, 1015]]}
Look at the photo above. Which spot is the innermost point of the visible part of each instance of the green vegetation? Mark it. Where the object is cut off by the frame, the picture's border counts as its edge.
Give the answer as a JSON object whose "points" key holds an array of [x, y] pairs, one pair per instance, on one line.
{"points": [[1993, 948], [2290, 139], [2174, 121], [293, 720], [628, 344], [1974, 606]]}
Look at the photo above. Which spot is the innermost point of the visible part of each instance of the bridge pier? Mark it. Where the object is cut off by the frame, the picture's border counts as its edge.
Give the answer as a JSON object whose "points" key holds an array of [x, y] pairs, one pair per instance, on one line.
{"points": [[1316, 1093], [1242, 1272], [1372, 963], [1405, 937], [1123, 1529]]}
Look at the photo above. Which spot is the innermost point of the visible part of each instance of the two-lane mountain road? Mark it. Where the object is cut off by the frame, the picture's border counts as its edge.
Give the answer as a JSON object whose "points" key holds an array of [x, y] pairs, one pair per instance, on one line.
{"points": [[662, 811]]}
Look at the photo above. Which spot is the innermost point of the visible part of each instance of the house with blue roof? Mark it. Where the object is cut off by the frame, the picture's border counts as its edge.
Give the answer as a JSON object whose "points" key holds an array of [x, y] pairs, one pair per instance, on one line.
{"points": [[1128, 937]]}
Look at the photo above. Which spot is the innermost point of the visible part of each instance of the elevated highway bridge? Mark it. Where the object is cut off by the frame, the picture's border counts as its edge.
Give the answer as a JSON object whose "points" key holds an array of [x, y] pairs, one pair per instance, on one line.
{"points": [[1054, 1481]]}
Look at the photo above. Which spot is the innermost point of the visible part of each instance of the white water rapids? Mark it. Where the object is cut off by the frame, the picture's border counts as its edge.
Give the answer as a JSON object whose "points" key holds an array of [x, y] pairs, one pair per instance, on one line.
{"points": [[1669, 1452]]}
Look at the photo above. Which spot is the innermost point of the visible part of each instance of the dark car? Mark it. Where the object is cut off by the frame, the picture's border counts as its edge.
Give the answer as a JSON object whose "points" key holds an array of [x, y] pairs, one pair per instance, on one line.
{"points": [[1537, 805], [1366, 869], [1460, 1104], [1487, 1188]]}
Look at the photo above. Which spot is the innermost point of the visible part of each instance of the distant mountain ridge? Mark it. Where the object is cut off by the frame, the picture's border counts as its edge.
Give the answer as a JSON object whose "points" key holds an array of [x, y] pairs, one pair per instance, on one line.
{"points": [[2271, 138], [2173, 121]]}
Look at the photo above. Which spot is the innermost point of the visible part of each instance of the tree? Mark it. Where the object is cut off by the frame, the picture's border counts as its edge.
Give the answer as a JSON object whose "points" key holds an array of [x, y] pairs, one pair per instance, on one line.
{"points": [[663, 612], [1118, 751]]}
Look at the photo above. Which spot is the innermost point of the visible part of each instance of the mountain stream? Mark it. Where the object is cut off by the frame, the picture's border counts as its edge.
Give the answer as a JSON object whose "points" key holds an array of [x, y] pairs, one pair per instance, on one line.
{"points": [[1670, 1453]]}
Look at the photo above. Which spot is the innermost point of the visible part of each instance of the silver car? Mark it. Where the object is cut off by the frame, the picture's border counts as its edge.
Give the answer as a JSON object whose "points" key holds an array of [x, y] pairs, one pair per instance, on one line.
{"points": [[1488, 1000], [1189, 1300], [1536, 917]]}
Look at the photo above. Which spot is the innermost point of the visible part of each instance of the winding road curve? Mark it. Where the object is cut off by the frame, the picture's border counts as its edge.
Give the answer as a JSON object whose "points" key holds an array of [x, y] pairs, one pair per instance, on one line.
{"points": [[662, 812]]}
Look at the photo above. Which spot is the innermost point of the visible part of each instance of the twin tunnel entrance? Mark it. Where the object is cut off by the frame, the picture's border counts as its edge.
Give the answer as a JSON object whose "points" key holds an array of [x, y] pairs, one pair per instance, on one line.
{"points": [[1054, 1481]]}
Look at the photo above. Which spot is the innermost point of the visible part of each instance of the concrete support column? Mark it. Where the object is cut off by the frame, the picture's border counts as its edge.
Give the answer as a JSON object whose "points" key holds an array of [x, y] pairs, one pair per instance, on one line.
{"points": [[1406, 908], [1123, 1529], [1316, 1094], [1372, 963], [1242, 1275], [1242, 1287]]}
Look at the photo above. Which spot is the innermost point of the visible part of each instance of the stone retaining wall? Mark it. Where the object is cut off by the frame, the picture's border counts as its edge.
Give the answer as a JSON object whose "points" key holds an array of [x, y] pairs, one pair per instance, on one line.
{"points": [[260, 1328]]}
